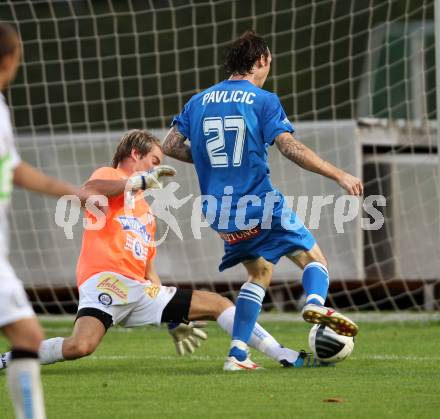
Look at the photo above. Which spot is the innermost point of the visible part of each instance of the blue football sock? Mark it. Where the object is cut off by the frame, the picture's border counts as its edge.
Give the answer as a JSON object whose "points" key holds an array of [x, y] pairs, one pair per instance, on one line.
{"points": [[247, 309], [315, 283]]}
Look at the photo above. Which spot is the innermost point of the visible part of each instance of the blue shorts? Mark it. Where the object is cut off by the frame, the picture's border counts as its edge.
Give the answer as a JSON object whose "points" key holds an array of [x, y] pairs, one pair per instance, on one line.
{"points": [[271, 243]]}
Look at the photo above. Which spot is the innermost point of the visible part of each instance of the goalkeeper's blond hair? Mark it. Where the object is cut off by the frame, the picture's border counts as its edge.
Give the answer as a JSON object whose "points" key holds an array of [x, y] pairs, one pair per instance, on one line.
{"points": [[138, 139]]}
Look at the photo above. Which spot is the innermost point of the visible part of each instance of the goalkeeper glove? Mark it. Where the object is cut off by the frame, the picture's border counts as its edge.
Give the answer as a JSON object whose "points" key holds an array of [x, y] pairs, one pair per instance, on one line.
{"points": [[187, 337], [150, 178]]}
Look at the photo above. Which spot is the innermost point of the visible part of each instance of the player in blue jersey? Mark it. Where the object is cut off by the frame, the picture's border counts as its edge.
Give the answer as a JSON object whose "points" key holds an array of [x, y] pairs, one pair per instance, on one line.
{"points": [[230, 127]]}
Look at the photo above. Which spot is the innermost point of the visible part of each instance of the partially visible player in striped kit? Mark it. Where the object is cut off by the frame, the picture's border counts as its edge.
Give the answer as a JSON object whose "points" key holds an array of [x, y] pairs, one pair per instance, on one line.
{"points": [[17, 319]]}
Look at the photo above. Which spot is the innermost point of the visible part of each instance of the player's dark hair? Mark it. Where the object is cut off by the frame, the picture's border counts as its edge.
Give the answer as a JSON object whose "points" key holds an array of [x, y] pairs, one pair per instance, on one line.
{"points": [[9, 39], [244, 52], [140, 140]]}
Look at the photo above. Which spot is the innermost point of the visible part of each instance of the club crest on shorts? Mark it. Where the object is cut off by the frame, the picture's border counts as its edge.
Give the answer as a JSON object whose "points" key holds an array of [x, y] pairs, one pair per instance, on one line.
{"points": [[152, 290], [105, 299]]}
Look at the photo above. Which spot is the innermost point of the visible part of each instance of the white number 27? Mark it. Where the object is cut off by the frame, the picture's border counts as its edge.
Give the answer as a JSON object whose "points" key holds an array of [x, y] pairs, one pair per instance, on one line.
{"points": [[216, 144]]}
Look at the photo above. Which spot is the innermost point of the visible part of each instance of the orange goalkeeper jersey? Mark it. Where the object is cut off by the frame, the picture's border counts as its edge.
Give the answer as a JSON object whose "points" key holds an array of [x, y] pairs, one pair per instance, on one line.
{"points": [[125, 244]]}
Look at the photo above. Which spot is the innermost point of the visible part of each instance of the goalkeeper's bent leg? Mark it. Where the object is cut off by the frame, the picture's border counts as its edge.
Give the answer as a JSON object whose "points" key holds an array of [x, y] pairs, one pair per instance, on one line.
{"points": [[60, 349], [86, 336], [51, 351]]}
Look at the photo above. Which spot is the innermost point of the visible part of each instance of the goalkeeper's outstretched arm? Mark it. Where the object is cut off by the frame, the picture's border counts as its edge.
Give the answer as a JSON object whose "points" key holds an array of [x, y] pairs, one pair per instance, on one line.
{"points": [[106, 187], [174, 145], [304, 157], [141, 181]]}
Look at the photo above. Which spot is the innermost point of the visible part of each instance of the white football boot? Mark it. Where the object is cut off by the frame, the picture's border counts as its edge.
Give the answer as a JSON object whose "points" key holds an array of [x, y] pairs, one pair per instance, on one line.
{"points": [[341, 324], [233, 364]]}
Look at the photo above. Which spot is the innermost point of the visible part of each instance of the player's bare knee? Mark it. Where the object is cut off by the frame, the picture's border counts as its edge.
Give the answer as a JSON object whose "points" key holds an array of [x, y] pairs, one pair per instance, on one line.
{"points": [[85, 349], [207, 305], [223, 304], [260, 272], [263, 281], [312, 256], [81, 348], [322, 260], [263, 276], [316, 255]]}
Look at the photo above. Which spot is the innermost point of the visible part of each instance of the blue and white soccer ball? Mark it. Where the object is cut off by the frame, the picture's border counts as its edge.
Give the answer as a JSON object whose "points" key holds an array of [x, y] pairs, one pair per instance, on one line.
{"points": [[328, 346]]}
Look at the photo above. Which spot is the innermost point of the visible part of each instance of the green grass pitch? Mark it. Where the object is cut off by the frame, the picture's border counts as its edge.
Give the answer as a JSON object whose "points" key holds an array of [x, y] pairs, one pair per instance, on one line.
{"points": [[394, 372]]}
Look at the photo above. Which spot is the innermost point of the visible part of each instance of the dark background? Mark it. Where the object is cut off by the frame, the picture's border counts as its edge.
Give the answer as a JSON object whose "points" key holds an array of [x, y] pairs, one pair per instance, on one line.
{"points": [[110, 65]]}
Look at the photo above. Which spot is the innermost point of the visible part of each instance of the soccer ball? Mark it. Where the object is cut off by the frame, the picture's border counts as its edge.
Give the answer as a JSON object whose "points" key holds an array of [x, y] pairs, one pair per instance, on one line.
{"points": [[328, 346]]}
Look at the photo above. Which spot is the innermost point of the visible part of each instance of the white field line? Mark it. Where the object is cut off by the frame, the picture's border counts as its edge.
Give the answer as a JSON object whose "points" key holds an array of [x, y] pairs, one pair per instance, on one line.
{"points": [[68, 330], [162, 358], [396, 358], [56, 318], [221, 358], [366, 317]]}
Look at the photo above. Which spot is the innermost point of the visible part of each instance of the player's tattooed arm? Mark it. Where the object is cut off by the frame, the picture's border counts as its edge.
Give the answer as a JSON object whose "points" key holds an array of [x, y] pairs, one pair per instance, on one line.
{"points": [[174, 146], [304, 157], [291, 148]]}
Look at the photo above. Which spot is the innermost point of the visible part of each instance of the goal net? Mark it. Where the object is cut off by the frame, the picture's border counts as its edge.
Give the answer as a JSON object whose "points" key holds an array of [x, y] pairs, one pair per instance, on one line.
{"points": [[356, 78]]}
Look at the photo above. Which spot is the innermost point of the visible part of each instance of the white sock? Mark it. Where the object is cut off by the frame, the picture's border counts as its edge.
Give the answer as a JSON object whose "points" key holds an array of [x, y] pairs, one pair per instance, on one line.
{"points": [[260, 339], [25, 388], [51, 351]]}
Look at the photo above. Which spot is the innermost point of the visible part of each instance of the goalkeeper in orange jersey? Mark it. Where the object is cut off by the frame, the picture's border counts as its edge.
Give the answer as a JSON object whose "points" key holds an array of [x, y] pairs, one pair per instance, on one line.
{"points": [[117, 281]]}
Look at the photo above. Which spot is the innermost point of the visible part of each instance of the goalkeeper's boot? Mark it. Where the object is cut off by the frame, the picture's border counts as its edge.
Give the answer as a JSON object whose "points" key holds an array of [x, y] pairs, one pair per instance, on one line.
{"points": [[305, 360], [233, 364], [342, 325]]}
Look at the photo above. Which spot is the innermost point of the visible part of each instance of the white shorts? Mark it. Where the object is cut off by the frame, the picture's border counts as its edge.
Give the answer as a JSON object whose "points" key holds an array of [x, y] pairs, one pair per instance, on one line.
{"points": [[14, 304], [129, 302]]}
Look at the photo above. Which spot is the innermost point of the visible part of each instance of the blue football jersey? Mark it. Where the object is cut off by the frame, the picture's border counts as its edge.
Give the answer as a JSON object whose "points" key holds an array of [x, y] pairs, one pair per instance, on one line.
{"points": [[230, 127]]}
